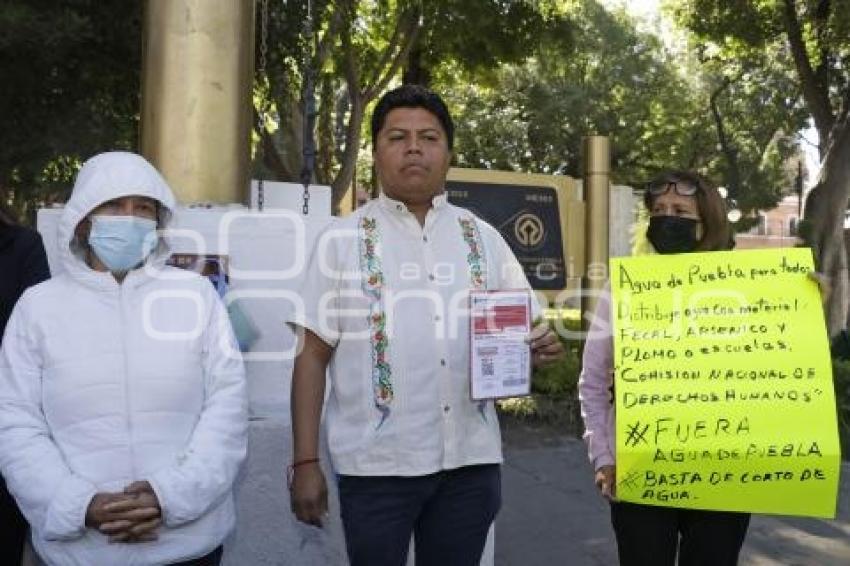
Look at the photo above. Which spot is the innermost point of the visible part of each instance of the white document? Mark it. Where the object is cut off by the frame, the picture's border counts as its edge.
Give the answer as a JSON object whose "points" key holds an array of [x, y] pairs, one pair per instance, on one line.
{"points": [[500, 356]]}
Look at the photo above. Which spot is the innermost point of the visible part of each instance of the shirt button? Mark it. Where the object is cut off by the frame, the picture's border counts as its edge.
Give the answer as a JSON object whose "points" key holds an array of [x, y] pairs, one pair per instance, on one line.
{"points": [[424, 238], [431, 277], [443, 362], [446, 408], [437, 318]]}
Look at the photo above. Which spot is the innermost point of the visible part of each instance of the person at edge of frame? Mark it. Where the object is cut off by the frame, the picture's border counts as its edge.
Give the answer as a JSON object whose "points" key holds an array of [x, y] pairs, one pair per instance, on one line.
{"points": [[123, 413], [23, 263], [686, 214]]}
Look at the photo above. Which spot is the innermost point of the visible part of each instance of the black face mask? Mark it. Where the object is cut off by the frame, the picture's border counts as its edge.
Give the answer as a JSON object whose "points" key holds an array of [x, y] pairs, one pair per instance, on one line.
{"points": [[672, 234]]}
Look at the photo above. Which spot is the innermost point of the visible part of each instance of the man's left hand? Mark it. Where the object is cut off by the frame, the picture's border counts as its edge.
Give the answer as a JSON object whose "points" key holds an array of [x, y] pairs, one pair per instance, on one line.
{"points": [[546, 348]]}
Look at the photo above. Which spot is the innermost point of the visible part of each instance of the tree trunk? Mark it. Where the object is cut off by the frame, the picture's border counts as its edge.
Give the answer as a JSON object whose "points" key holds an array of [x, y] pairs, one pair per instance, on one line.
{"points": [[345, 176], [361, 92], [826, 207], [815, 93], [325, 131], [281, 150]]}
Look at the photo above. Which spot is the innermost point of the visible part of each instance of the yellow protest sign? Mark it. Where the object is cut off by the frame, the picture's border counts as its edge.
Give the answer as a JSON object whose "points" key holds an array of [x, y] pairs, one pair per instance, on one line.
{"points": [[723, 383]]}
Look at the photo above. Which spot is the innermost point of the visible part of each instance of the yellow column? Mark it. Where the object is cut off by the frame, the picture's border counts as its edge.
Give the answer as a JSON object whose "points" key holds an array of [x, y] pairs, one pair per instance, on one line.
{"points": [[597, 183], [197, 73]]}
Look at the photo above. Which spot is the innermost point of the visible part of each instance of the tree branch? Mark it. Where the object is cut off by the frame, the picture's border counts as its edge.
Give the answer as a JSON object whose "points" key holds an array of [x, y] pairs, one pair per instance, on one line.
{"points": [[386, 56], [734, 180], [821, 18], [325, 44], [407, 28], [350, 70], [410, 35]]}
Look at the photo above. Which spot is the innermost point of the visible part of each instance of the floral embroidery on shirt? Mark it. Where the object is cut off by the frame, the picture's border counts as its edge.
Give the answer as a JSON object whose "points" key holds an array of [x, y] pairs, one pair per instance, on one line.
{"points": [[475, 257], [477, 270], [373, 283]]}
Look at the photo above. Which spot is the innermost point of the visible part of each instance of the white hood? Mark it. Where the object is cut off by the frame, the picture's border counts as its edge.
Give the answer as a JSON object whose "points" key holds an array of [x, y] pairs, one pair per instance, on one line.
{"points": [[105, 177]]}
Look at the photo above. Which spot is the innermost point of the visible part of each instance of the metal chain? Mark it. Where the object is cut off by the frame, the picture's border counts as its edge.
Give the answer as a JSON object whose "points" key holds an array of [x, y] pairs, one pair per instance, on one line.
{"points": [[264, 34], [305, 196], [261, 114], [309, 95]]}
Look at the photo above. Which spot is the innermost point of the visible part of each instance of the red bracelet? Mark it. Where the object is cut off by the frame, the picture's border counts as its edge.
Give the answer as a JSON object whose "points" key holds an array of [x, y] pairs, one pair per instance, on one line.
{"points": [[290, 470]]}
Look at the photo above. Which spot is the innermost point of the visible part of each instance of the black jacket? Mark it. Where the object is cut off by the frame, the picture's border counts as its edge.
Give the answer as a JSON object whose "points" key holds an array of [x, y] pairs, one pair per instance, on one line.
{"points": [[23, 263]]}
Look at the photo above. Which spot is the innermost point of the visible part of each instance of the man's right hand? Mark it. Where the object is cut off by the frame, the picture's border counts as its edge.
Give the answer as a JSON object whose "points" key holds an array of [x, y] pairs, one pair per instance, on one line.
{"points": [[606, 483], [308, 494]]}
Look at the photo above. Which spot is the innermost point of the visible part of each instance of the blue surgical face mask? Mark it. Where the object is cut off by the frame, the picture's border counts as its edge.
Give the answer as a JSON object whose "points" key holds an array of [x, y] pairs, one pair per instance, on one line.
{"points": [[122, 242]]}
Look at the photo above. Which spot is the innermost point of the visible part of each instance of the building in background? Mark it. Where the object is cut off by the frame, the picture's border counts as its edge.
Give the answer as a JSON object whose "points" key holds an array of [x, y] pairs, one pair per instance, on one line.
{"points": [[777, 228]]}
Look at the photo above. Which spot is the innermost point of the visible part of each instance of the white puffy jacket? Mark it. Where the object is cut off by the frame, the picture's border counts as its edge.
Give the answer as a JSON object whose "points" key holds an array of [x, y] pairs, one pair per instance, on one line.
{"points": [[103, 384]]}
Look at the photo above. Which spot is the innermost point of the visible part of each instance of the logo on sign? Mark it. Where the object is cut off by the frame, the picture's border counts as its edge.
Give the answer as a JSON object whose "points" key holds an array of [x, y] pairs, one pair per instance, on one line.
{"points": [[528, 230]]}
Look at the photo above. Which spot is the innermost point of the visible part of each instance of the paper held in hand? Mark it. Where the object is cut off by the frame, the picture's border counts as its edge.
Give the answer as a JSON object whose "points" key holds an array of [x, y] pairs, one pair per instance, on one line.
{"points": [[500, 356]]}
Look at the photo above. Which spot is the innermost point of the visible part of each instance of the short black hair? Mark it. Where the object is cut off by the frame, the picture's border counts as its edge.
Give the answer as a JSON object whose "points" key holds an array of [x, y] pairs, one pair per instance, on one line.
{"points": [[412, 96]]}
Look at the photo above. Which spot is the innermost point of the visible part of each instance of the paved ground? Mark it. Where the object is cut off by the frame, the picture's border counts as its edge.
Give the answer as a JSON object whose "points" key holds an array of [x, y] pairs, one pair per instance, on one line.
{"points": [[551, 514]]}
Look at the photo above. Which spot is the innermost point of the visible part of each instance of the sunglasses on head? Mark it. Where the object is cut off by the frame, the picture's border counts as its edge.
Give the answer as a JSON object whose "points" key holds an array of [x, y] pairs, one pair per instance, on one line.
{"points": [[683, 189]]}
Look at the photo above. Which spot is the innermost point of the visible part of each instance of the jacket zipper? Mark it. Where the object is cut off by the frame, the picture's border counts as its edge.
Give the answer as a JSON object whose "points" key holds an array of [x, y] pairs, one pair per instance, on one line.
{"points": [[127, 403]]}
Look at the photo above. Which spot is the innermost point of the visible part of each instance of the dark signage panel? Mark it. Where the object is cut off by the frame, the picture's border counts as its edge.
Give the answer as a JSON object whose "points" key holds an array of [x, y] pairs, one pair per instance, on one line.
{"points": [[528, 219]]}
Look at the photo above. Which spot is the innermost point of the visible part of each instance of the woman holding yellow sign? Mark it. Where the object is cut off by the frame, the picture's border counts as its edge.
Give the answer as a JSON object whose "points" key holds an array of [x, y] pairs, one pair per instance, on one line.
{"points": [[687, 214]]}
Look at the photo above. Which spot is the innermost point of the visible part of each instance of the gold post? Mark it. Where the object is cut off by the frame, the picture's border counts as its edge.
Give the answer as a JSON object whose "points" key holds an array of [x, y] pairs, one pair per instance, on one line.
{"points": [[198, 66], [597, 171]]}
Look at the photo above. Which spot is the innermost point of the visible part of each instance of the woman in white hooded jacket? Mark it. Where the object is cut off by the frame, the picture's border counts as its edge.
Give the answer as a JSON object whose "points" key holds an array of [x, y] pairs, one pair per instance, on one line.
{"points": [[122, 392]]}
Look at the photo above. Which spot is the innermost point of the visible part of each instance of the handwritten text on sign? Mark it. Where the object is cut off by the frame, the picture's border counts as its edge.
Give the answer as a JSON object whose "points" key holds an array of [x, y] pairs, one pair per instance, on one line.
{"points": [[723, 383]]}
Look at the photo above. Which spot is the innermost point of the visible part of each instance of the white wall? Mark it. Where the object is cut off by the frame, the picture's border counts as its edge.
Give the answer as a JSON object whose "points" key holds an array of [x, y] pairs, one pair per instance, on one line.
{"points": [[623, 214]]}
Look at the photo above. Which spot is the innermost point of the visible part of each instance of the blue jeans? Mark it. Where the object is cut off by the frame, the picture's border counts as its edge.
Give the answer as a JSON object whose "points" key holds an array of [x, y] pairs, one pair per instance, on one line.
{"points": [[448, 513]]}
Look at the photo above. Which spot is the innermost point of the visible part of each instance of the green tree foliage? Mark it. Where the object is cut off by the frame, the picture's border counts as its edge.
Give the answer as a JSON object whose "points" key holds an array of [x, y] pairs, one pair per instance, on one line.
{"points": [[354, 49], [482, 35], [526, 80], [663, 108], [809, 42], [70, 73], [753, 148], [614, 82], [362, 47]]}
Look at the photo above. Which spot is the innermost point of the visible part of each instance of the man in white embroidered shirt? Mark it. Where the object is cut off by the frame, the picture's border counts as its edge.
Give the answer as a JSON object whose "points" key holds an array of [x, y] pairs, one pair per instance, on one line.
{"points": [[385, 310]]}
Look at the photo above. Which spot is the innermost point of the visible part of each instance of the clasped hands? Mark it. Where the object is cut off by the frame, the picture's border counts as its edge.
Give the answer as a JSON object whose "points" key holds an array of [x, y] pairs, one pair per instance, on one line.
{"points": [[129, 516]]}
